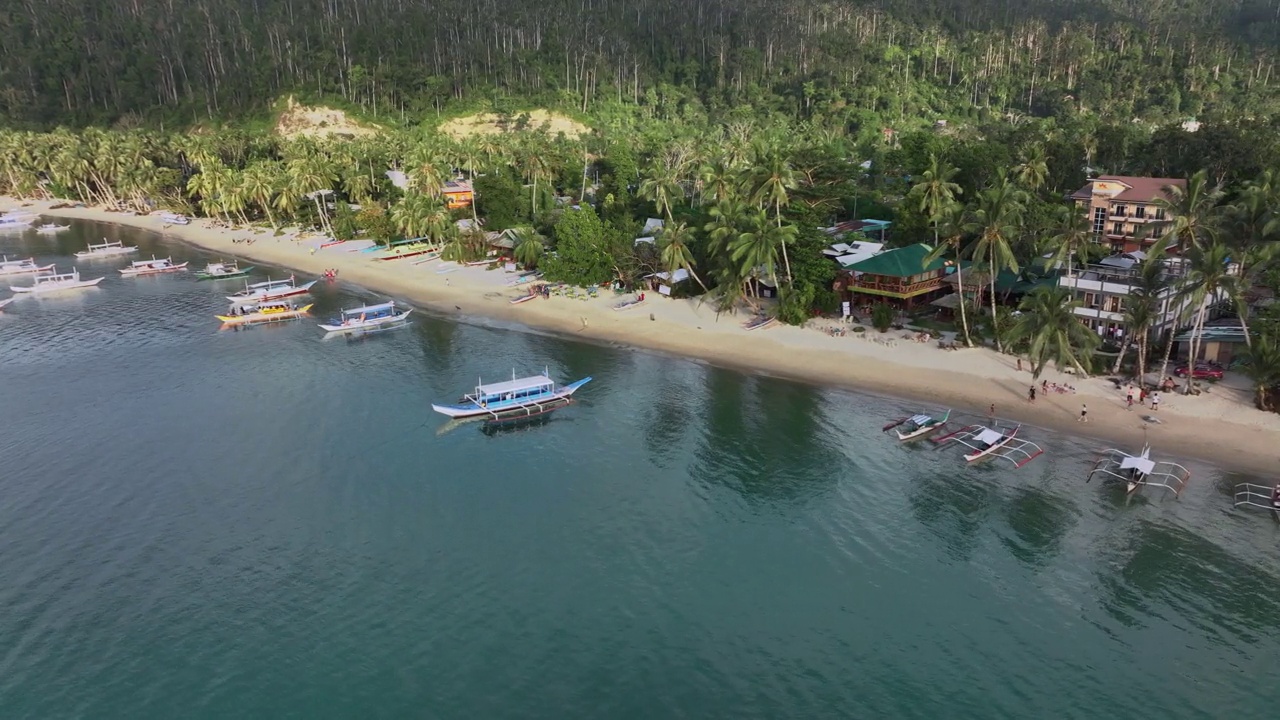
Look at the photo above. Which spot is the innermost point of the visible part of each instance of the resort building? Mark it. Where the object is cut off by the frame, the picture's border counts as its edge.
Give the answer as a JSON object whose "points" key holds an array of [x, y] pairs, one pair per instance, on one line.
{"points": [[458, 194], [1122, 212], [1103, 289], [899, 276], [846, 254]]}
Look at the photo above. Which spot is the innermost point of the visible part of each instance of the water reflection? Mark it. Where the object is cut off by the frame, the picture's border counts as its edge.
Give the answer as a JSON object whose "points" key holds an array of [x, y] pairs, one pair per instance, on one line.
{"points": [[954, 507], [1039, 521]]}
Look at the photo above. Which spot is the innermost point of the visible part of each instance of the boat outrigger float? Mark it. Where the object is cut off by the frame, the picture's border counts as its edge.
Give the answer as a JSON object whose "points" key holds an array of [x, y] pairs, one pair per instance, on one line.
{"points": [[916, 426], [988, 442], [527, 396], [1138, 470]]}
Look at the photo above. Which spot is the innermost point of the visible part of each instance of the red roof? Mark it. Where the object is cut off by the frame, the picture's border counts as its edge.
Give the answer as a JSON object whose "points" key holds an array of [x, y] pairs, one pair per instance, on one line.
{"points": [[1137, 189]]}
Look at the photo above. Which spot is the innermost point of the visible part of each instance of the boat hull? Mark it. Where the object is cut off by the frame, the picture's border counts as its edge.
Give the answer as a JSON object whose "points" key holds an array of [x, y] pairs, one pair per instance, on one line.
{"points": [[10, 272], [222, 276], [918, 432], [264, 318], [275, 295], [373, 324], [47, 290], [470, 410], [127, 272], [110, 252]]}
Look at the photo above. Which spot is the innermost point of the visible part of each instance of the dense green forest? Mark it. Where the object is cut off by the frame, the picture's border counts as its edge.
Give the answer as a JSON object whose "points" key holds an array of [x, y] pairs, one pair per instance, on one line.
{"points": [[93, 62], [747, 126]]}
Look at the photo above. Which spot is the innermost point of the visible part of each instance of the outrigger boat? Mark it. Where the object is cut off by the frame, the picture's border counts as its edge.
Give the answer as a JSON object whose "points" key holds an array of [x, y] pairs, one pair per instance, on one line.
{"points": [[401, 249], [989, 442], [53, 282], [367, 318], [222, 271], [916, 426], [628, 304], [21, 267], [270, 290], [106, 249], [263, 312], [1259, 497], [16, 220], [6, 301], [517, 395], [175, 218], [52, 228], [152, 267], [1138, 470]]}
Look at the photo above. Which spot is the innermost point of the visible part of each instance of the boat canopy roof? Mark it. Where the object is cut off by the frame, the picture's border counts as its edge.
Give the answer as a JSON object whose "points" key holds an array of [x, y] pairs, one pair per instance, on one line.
{"points": [[1141, 464], [370, 309], [921, 419], [989, 436], [515, 385]]}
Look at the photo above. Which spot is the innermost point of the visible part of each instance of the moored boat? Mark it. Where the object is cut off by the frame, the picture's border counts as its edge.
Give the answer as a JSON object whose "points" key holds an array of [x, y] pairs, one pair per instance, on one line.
{"points": [[993, 442], [401, 249], [175, 218], [52, 228], [17, 220], [270, 290], [369, 317], [516, 394], [6, 301], [263, 312], [53, 282], [916, 426], [21, 267], [152, 267], [222, 271], [106, 249]]}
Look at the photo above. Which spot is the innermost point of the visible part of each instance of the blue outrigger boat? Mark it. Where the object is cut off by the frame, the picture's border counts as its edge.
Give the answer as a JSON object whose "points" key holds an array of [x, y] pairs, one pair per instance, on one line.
{"points": [[367, 318], [530, 395]]}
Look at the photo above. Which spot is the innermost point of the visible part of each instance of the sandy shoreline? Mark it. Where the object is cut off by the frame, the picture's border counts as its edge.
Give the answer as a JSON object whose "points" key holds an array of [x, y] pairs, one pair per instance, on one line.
{"points": [[1221, 426]]}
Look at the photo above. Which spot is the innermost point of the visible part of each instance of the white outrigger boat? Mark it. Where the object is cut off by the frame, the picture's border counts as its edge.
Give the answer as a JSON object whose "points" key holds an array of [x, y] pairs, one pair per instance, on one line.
{"points": [[152, 267], [49, 228], [270, 290], [106, 249], [53, 282], [988, 442], [263, 312], [367, 318], [222, 271], [21, 267], [17, 220], [174, 218], [916, 426], [1138, 470], [529, 395], [1258, 497]]}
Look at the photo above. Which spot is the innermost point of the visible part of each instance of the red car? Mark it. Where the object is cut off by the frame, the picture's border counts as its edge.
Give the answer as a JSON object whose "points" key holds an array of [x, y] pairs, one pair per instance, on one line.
{"points": [[1203, 371]]}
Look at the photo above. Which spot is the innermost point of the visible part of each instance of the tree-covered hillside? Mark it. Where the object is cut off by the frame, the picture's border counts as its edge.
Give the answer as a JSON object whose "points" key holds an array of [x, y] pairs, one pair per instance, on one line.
{"points": [[90, 61]]}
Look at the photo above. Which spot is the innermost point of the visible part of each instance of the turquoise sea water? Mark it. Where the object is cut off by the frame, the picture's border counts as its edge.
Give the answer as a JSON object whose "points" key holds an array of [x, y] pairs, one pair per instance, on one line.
{"points": [[262, 523]]}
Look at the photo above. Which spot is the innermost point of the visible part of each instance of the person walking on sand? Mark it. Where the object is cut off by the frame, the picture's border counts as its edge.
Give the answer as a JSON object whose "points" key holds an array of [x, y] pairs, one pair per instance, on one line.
{"points": [[1129, 401], [1155, 401], [1031, 394], [1019, 364], [993, 411], [1084, 413]]}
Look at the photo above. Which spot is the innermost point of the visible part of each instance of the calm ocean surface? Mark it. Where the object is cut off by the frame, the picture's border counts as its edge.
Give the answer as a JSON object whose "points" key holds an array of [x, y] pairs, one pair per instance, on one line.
{"points": [[265, 524]]}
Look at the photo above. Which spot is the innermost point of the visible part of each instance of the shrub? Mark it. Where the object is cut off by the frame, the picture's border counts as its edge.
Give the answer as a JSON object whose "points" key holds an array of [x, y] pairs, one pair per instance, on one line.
{"points": [[882, 316]]}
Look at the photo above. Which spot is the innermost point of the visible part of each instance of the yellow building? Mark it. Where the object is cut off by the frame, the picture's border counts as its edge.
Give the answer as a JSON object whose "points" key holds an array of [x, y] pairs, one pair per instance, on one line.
{"points": [[1122, 210]]}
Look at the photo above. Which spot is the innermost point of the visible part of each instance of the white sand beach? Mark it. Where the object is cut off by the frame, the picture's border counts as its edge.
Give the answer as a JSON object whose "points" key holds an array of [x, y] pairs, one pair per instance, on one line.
{"points": [[1221, 425]]}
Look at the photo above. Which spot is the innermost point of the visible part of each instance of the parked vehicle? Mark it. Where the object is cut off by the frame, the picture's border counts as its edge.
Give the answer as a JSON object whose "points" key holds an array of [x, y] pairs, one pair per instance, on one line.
{"points": [[1203, 371]]}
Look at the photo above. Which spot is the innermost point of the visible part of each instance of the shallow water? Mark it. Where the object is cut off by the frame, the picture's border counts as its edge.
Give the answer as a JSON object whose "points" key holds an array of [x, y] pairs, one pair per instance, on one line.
{"points": [[263, 523]]}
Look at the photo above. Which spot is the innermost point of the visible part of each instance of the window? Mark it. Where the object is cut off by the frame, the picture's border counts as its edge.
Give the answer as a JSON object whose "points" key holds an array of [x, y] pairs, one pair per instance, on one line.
{"points": [[1140, 211], [1120, 211], [1117, 228], [1089, 299], [1099, 221], [1159, 213]]}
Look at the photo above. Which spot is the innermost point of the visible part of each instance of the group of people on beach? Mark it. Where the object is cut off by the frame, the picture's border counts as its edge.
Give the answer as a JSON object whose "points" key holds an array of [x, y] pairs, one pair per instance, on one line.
{"points": [[1047, 387], [1140, 394]]}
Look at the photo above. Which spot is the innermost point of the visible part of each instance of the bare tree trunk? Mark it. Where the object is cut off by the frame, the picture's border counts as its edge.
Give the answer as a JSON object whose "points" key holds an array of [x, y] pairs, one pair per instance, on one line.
{"points": [[964, 321], [995, 328], [1196, 330]]}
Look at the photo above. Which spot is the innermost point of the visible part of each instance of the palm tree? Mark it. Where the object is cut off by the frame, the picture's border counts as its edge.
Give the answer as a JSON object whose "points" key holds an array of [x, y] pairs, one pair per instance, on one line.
{"points": [[951, 216], [673, 244], [1049, 325], [660, 186], [772, 178], [528, 248], [1209, 277], [1195, 216], [995, 220], [936, 191], [756, 248], [1143, 305], [259, 184], [1034, 168], [719, 180], [1261, 362], [1071, 239], [412, 213]]}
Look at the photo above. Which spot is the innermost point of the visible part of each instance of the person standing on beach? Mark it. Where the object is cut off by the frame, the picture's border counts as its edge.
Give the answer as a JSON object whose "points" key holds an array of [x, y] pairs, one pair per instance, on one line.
{"points": [[1155, 401], [1084, 413], [1031, 394], [993, 411]]}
